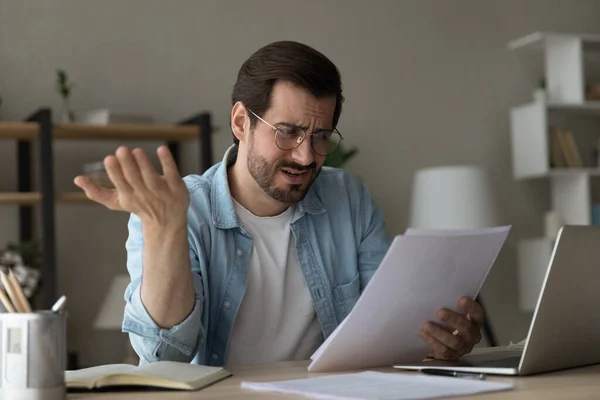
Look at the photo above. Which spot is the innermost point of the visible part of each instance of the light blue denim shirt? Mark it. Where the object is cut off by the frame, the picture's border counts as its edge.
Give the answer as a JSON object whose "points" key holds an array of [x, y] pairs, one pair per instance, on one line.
{"points": [[340, 238]]}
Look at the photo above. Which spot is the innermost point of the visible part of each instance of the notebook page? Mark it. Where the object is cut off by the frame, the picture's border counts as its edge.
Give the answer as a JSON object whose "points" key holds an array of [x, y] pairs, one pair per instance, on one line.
{"points": [[95, 373], [176, 371], [379, 386]]}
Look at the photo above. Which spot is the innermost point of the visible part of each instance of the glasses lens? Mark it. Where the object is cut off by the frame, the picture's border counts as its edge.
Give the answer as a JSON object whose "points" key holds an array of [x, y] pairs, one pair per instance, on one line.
{"points": [[288, 137], [325, 142]]}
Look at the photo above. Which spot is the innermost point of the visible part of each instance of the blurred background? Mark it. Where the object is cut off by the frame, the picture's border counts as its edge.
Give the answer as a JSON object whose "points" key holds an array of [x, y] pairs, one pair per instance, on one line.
{"points": [[427, 84]]}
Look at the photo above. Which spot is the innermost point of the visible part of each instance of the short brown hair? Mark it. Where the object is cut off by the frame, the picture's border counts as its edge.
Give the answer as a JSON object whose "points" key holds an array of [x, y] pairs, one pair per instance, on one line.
{"points": [[286, 61]]}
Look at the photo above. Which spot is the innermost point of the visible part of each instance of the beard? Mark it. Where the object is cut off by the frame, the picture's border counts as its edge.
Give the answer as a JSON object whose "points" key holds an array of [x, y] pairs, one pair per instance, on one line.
{"points": [[265, 175]]}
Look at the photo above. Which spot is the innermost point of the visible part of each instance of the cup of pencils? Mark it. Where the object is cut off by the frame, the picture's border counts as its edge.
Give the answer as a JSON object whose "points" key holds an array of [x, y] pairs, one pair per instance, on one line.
{"points": [[33, 346]]}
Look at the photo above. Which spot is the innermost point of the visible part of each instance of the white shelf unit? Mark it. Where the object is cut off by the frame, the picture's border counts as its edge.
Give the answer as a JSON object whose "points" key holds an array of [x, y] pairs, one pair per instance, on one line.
{"points": [[571, 195], [564, 58], [568, 62]]}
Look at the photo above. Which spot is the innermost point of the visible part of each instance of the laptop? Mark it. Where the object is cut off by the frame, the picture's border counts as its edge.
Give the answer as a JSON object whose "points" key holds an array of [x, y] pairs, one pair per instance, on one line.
{"points": [[565, 328]]}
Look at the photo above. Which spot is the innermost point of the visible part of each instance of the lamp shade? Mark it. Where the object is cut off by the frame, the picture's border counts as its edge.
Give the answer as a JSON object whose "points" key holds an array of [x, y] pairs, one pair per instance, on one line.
{"points": [[453, 197], [111, 311]]}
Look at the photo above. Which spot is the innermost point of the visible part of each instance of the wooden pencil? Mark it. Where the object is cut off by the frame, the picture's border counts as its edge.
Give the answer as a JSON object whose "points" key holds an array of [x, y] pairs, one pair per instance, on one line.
{"points": [[6, 302], [11, 291], [19, 292]]}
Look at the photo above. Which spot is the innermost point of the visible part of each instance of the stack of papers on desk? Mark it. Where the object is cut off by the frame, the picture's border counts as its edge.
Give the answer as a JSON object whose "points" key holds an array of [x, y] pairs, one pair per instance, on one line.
{"points": [[423, 271], [379, 386]]}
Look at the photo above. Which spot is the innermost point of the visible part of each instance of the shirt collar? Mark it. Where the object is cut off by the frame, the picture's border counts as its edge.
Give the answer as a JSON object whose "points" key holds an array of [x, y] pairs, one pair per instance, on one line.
{"points": [[223, 211]]}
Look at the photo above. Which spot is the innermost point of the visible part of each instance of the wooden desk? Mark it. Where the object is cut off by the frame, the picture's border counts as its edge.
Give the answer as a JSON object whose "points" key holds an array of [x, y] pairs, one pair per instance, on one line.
{"points": [[579, 383]]}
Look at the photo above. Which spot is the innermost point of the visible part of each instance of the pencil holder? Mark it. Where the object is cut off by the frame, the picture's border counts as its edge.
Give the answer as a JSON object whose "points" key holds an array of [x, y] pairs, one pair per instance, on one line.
{"points": [[33, 355]]}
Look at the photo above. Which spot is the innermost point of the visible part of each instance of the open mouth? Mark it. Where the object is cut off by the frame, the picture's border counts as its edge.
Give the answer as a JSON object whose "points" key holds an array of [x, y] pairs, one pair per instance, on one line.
{"points": [[293, 172]]}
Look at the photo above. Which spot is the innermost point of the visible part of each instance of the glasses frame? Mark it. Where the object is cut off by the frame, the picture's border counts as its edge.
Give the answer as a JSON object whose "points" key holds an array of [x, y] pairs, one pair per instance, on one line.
{"points": [[299, 142]]}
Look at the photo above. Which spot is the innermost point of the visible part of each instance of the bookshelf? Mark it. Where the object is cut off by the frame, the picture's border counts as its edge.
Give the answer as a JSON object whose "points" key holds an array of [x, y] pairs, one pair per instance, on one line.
{"points": [[32, 198], [39, 128], [570, 62], [30, 131]]}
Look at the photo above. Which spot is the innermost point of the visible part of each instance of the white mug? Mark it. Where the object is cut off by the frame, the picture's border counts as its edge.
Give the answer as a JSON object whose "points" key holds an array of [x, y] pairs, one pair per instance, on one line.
{"points": [[33, 355]]}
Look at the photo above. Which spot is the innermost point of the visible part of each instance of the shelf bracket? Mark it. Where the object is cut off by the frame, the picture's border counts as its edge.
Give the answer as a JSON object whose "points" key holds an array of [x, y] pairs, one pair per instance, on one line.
{"points": [[46, 164]]}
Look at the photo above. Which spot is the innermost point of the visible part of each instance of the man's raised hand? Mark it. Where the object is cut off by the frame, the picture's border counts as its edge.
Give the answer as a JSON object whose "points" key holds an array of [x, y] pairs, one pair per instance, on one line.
{"points": [[156, 199]]}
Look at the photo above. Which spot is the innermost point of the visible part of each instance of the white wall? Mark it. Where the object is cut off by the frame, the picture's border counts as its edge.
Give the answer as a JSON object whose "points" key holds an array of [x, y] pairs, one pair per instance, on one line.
{"points": [[427, 83]]}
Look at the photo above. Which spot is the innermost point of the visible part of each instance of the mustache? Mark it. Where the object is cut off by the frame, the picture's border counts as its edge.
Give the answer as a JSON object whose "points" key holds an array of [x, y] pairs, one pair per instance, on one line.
{"points": [[289, 164]]}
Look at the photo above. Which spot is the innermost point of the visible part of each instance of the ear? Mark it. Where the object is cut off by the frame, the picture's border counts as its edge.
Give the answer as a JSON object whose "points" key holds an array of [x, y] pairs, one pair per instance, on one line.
{"points": [[240, 123]]}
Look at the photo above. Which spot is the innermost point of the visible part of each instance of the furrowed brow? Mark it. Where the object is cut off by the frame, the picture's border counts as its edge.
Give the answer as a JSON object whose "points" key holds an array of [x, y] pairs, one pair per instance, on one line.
{"points": [[290, 125]]}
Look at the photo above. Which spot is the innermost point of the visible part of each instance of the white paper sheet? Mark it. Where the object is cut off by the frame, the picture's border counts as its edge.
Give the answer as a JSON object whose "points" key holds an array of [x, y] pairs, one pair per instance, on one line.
{"points": [[422, 272], [371, 385]]}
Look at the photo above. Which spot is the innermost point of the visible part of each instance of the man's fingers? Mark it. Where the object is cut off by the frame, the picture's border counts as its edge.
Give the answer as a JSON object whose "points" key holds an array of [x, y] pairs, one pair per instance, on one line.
{"points": [[473, 310], [169, 167], [454, 342], [82, 182], [455, 321], [113, 170], [130, 168], [106, 197], [459, 332], [437, 348], [148, 173]]}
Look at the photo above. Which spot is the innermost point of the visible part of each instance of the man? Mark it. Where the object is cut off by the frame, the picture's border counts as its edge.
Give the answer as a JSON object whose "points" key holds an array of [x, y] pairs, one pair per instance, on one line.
{"points": [[261, 257]]}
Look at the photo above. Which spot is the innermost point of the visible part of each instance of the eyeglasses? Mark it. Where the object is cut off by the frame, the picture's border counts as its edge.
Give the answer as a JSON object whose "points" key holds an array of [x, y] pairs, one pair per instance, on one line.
{"points": [[288, 137]]}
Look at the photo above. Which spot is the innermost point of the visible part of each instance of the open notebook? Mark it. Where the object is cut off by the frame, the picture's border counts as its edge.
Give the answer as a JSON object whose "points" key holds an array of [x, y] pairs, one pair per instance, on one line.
{"points": [[160, 374]]}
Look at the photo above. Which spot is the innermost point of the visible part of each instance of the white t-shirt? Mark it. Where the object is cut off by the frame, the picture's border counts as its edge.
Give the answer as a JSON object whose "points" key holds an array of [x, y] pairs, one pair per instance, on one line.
{"points": [[276, 320]]}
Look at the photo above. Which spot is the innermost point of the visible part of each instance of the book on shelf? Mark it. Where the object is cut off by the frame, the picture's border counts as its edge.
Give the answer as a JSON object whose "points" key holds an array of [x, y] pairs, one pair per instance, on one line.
{"points": [[160, 374], [564, 152]]}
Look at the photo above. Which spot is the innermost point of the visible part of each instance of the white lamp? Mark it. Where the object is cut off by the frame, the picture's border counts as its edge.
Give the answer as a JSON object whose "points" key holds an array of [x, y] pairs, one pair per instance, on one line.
{"points": [[453, 197], [110, 316]]}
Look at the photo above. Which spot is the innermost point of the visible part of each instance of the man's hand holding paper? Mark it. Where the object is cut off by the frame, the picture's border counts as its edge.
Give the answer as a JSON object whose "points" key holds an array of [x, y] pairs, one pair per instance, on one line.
{"points": [[409, 308], [456, 334]]}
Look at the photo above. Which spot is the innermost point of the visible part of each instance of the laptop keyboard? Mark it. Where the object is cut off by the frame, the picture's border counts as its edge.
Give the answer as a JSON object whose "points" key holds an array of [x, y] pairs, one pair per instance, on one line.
{"points": [[500, 359], [511, 362]]}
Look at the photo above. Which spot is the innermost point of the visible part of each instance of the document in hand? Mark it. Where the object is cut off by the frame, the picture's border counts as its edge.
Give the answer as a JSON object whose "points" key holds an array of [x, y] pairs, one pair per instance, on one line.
{"points": [[423, 271]]}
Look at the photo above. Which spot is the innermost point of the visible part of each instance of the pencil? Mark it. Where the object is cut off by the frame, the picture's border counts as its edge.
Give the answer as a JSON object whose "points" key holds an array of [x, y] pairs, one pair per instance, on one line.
{"points": [[11, 291], [20, 295], [6, 302]]}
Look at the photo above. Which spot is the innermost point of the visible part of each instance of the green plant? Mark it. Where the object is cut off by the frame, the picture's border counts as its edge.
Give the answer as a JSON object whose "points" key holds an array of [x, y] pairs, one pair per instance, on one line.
{"points": [[340, 156], [542, 83], [63, 85], [29, 251], [64, 88], [24, 260]]}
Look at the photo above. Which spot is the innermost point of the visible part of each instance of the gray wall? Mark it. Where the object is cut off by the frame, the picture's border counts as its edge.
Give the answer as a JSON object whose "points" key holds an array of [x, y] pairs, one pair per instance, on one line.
{"points": [[427, 83]]}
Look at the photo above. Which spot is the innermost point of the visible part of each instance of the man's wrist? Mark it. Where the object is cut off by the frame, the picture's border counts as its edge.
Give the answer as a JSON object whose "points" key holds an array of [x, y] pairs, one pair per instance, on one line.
{"points": [[154, 230]]}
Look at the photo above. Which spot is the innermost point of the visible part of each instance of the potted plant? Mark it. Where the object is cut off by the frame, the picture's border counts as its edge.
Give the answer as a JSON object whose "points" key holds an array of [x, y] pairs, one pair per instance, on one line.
{"points": [[64, 88], [340, 156], [24, 260]]}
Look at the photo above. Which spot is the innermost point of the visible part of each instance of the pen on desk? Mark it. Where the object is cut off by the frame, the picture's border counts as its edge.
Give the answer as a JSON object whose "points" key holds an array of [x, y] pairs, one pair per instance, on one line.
{"points": [[457, 374]]}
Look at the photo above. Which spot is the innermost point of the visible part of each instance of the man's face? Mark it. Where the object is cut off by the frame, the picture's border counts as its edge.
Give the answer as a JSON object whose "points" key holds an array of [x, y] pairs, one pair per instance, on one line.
{"points": [[286, 176]]}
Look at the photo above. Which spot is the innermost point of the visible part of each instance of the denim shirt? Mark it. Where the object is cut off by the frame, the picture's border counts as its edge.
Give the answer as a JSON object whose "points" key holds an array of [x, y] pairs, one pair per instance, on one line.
{"points": [[339, 235]]}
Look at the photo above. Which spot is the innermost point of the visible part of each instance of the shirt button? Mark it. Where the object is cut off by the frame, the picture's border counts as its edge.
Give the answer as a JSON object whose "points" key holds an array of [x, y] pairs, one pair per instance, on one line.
{"points": [[215, 357], [239, 252], [226, 304]]}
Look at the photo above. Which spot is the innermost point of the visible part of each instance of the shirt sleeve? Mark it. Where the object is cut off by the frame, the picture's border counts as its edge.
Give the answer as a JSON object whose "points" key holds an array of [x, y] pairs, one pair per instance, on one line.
{"points": [[375, 238], [151, 342]]}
